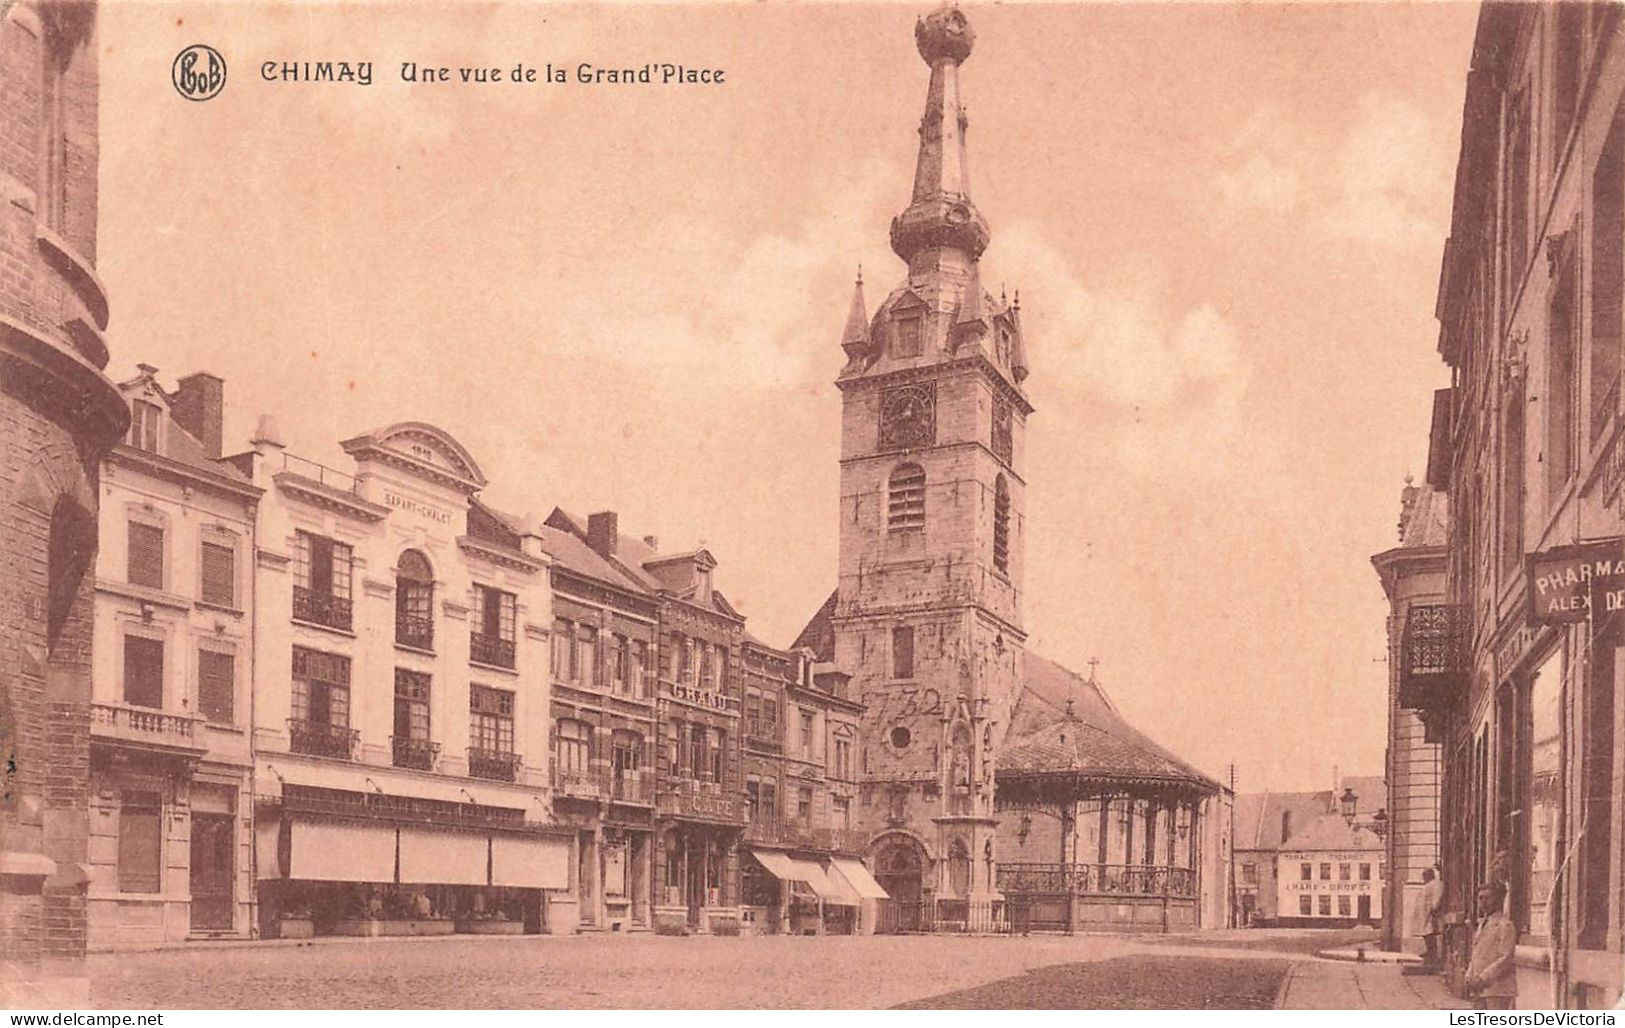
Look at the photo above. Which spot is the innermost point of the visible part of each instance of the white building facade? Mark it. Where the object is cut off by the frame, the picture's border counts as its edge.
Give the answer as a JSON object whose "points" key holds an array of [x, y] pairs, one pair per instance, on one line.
{"points": [[401, 697]]}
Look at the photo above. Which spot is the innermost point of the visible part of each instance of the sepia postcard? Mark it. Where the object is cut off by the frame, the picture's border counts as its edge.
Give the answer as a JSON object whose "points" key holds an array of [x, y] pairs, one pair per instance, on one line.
{"points": [[777, 505]]}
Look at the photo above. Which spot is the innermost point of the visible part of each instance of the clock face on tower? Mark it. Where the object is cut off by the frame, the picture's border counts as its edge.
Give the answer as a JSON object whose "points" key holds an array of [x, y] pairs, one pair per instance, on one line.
{"points": [[908, 417]]}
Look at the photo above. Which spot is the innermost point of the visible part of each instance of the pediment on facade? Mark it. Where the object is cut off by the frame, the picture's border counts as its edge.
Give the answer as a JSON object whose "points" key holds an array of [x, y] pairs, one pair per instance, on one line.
{"points": [[421, 449]]}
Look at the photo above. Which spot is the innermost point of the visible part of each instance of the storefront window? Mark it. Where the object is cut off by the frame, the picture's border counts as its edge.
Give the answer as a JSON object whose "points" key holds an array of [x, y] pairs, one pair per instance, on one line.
{"points": [[1545, 788]]}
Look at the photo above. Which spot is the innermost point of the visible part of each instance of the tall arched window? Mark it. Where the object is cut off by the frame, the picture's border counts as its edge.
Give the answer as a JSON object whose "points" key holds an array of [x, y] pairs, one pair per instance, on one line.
{"points": [[414, 601], [905, 506], [1001, 525]]}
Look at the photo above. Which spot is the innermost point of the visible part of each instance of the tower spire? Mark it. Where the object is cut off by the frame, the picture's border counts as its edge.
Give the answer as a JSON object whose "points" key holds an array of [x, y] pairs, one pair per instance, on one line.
{"points": [[855, 337], [940, 214]]}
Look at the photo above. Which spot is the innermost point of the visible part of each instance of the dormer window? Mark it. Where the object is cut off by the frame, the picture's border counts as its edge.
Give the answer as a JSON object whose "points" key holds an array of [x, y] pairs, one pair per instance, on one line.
{"points": [[908, 337], [144, 425]]}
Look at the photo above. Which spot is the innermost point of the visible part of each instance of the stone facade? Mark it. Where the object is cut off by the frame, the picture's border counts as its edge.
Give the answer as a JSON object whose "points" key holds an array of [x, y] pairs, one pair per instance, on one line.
{"points": [[927, 621], [58, 415]]}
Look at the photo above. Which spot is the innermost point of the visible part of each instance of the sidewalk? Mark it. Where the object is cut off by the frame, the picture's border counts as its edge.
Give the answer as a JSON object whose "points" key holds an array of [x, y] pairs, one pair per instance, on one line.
{"points": [[1329, 985]]}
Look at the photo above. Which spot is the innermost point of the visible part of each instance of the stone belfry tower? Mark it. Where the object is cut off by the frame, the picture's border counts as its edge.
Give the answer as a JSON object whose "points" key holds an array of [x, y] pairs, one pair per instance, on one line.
{"points": [[927, 620]]}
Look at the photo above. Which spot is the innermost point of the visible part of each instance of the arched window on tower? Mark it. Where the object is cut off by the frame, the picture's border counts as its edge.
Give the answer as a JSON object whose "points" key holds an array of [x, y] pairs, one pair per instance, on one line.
{"points": [[414, 601], [1001, 525], [905, 507]]}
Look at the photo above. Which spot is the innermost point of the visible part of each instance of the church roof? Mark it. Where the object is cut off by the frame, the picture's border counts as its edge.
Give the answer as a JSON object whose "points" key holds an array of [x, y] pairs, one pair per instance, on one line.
{"points": [[1063, 723], [1044, 736]]}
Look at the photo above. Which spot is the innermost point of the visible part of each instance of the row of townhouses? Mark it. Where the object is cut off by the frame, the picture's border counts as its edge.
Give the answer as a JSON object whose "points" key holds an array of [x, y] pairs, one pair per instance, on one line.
{"points": [[1506, 588], [364, 701]]}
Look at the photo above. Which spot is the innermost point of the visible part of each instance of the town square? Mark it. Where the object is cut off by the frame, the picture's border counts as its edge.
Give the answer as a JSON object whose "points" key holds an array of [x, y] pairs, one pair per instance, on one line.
{"points": [[812, 507]]}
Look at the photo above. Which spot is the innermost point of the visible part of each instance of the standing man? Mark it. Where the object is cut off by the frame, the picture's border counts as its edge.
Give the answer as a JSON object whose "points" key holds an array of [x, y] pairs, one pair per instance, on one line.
{"points": [[1431, 900], [1491, 977]]}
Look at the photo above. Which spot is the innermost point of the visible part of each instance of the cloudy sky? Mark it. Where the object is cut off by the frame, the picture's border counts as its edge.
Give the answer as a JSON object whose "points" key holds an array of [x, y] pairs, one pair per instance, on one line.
{"points": [[1225, 223]]}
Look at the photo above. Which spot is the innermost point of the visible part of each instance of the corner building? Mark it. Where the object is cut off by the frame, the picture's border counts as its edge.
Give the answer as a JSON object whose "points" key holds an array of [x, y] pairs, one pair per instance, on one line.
{"points": [[171, 802]]}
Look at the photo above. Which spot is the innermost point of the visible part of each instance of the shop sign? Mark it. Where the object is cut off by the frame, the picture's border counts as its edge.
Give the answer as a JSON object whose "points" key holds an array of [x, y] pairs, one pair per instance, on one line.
{"points": [[1562, 581], [421, 509], [699, 697]]}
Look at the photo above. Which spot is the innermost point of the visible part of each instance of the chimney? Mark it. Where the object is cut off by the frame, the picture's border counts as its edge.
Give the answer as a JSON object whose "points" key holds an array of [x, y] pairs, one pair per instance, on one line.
{"points": [[199, 407], [653, 542], [603, 530]]}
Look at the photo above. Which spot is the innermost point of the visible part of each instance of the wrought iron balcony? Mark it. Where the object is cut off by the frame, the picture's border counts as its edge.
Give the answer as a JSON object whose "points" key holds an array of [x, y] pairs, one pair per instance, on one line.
{"points": [[414, 630], [414, 753], [495, 765], [490, 649], [760, 730], [783, 831], [633, 787], [1433, 656], [144, 727], [585, 783], [321, 608], [322, 740]]}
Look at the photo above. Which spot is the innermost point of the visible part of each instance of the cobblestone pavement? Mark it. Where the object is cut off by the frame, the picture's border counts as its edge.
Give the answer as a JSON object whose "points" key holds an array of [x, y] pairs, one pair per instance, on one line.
{"points": [[646, 971], [593, 972]]}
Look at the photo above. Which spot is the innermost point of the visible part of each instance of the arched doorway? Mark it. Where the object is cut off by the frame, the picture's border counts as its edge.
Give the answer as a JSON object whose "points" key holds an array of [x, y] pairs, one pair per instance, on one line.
{"points": [[899, 868]]}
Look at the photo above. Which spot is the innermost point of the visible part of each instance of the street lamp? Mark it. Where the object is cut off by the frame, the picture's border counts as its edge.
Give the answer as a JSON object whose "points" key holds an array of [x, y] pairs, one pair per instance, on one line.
{"points": [[1350, 803]]}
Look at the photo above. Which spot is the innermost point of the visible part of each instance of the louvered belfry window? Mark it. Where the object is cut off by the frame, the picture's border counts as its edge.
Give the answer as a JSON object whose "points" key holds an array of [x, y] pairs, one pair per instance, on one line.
{"points": [[905, 507], [1001, 525]]}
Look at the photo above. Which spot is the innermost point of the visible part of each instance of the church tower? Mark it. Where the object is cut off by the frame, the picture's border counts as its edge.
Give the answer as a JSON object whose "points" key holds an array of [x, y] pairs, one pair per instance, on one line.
{"points": [[928, 615]]}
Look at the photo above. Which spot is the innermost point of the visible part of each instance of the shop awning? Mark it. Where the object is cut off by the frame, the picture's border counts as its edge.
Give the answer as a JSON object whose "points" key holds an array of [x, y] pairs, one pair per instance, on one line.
{"points": [[780, 864], [343, 852], [830, 887], [266, 862], [443, 858], [858, 877], [795, 869], [530, 863]]}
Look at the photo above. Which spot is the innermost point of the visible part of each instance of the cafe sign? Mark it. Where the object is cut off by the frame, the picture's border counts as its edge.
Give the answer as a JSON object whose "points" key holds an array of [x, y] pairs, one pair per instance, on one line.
{"points": [[1564, 580]]}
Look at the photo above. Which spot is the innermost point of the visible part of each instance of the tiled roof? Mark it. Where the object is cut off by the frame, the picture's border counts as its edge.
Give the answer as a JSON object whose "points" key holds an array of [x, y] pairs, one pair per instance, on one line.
{"points": [[1259, 814], [819, 634], [1333, 832], [1064, 723]]}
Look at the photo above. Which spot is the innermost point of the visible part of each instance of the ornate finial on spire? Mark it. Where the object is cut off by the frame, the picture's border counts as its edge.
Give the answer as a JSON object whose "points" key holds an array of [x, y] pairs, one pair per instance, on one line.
{"points": [[944, 34], [940, 215], [860, 273], [1016, 303], [1094, 665]]}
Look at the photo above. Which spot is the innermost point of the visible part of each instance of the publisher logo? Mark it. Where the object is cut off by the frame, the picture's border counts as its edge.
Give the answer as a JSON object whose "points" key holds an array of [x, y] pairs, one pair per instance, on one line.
{"points": [[199, 72]]}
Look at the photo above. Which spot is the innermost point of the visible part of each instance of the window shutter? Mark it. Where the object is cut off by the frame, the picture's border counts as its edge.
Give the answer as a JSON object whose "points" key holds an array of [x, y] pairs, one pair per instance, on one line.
{"points": [[146, 556], [217, 680], [219, 584]]}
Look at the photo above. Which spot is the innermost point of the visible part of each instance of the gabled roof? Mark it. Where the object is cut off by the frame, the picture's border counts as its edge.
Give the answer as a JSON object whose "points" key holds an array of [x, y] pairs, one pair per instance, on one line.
{"points": [[1333, 832], [1259, 815], [1063, 723], [176, 443], [819, 634]]}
